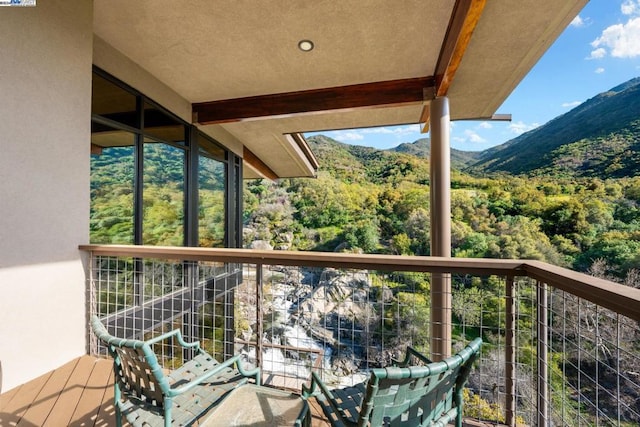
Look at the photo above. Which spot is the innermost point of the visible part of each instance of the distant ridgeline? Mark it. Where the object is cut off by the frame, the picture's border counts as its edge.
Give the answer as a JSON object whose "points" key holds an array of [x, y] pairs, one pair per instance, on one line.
{"points": [[599, 138]]}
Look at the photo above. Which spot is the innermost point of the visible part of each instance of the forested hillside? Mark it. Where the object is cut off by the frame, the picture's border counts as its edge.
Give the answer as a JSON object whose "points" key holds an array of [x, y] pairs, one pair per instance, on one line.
{"points": [[378, 201], [599, 138]]}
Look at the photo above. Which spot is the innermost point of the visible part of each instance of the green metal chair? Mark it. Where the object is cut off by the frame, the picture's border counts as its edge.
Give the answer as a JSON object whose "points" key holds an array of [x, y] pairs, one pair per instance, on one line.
{"points": [[147, 395], [402, 395]]}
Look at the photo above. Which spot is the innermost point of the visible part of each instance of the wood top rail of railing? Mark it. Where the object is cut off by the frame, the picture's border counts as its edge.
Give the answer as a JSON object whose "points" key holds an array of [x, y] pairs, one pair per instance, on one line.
{"points": [[317, 259], [619, 298]]}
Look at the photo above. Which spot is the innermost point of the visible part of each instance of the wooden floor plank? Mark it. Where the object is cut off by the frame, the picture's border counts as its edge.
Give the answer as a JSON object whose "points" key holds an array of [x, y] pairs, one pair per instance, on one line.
{"points": [[5, 398], [90, 410], [46, 399], [14, 410], [66, 405], [318, 419]]}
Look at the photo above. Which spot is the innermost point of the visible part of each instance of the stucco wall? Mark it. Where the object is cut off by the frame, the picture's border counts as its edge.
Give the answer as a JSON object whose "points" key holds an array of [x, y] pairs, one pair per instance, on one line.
{"points": [[45, 104]]}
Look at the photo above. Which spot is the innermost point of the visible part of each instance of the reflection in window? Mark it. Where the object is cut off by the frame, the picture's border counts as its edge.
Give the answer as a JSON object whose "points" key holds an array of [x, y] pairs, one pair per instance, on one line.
{"points": [[211, 195], [162, 126], [212, 322], [140, 158], [113, 102], [163, 195], [112, 186]]}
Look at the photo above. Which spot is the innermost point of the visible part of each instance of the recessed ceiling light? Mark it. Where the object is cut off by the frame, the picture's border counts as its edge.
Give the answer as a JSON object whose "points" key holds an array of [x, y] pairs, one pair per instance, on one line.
{"points": [[305, 45]]}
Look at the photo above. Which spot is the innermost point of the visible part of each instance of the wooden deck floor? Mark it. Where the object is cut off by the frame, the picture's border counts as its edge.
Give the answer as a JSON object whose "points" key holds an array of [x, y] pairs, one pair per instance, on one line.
{"points": [[80, 394]]}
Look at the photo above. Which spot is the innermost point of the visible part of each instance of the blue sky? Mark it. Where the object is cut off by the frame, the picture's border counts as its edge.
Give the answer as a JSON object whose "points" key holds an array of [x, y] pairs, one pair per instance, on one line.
{"points": [[598, 51]]}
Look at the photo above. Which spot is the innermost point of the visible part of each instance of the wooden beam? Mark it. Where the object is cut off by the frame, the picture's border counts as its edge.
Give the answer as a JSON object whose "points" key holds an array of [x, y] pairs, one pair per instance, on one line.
{"points": [[96, 149], [258, 165], [316, 101], [463, 22]]}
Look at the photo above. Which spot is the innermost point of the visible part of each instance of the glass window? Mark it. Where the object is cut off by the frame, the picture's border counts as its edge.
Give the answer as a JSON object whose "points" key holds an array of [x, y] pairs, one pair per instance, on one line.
{"points": [[162, 126], [135, 139], [211, 194], [163, 195], [112, 185], [113, 102]]}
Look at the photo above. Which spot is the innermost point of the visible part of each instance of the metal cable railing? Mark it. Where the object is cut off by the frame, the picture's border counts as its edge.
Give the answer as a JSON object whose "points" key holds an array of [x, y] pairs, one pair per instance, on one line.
{"points": [[550, 357]]}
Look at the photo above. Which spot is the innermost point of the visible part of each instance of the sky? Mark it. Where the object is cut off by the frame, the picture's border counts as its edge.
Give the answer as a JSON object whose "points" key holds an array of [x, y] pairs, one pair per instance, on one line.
{"points": [[599, 50]]}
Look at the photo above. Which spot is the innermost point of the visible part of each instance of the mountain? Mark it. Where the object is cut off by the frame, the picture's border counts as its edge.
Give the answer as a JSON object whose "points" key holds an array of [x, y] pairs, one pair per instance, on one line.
{"points": [[406, 162], [422, 148], [354, 163], [600, 137]]}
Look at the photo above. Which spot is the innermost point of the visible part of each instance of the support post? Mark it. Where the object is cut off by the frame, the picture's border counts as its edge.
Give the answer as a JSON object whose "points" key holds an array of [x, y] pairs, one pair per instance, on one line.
{"points": [[543, 366], [259, 314], [510, 354], [440, 197]]}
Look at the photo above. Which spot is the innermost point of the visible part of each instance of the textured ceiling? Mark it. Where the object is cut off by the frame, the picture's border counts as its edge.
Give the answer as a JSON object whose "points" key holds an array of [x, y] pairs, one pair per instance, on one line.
{"points": [[225, 49]]}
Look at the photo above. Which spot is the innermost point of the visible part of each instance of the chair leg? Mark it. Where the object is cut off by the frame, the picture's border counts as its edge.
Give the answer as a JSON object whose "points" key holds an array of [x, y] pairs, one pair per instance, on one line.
{"points": [[118, 416], [116, 403], [459, 403], [168, 403]]}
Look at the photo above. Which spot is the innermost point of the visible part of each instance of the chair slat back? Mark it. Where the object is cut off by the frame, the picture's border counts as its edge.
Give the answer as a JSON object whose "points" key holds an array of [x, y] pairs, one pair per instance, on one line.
{"points": [[416, 395], [136, 377], [136, 368]]}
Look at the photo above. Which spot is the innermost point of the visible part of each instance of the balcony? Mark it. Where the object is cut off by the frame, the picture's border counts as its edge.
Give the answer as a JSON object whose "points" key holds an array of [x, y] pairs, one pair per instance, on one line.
{"points": [[561, 348]]}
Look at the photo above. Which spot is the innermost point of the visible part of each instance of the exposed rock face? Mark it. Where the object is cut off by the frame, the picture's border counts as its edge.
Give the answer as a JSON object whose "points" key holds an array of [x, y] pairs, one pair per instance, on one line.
{"points": [[330, 310], [343, 363], [342, 295], [261, 245]]}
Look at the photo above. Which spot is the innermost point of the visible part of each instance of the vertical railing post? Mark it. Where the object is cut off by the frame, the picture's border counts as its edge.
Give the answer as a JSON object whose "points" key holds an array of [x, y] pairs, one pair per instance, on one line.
{"points": [[231, 282], [190, 319], [138, 297], [510, 353], [92, 296], [543, 366], [259, 330]]}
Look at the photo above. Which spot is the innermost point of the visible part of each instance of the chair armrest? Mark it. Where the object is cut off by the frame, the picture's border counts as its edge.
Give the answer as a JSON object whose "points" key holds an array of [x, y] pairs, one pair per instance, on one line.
{"points": [[415, 353], [311, 390], [308, 392], [178, 335], [255, 372], [215, 370]]}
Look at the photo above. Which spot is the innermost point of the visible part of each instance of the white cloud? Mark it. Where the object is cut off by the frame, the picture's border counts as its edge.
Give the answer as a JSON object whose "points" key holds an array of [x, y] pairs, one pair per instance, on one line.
{"points": [[621, 40], [395, 130], [354, 135], [599, 70], [473, 136], [521, 127], [570, 104], [485, 125], [630, 7], [577, 22], [597, 53], [348, 136]]}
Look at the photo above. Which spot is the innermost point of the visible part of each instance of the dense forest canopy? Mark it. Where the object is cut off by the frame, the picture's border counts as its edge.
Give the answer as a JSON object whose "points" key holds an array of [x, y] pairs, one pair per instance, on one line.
{"points": [[378, 201]]}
